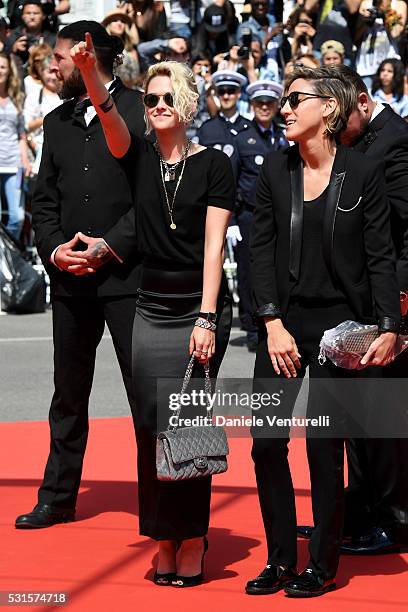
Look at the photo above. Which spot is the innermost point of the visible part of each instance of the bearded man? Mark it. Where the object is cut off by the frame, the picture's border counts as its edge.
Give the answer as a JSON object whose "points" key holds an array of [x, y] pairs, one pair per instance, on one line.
{"points": [[83, 191]]}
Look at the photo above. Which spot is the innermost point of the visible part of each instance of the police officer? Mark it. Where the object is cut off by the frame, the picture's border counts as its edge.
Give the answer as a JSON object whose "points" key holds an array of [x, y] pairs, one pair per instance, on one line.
{"points": [[221, 131], [261, 136]]}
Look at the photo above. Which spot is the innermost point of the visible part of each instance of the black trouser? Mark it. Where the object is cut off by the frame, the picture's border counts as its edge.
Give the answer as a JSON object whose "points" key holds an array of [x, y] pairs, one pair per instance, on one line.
{"points": [[377, 495], [325, 455], [246, 309], [78, 325]]}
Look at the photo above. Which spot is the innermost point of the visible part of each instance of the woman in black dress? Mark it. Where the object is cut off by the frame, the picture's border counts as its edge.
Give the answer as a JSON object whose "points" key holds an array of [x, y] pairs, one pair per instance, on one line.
{"points": [[321, 253], [183, 194]]}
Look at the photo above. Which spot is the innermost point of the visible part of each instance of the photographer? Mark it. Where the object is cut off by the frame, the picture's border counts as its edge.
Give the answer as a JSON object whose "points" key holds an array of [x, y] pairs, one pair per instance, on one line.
{"points": [[32, 33], [301, 32], [381, 23], [213, 34], [52, 9], [251, 59], [261, 23], [176, 49]]}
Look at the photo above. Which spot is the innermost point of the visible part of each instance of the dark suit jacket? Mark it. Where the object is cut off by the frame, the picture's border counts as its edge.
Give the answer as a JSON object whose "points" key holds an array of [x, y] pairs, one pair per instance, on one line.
{"points": [[386, 139], [82, 187], [356, 236]]}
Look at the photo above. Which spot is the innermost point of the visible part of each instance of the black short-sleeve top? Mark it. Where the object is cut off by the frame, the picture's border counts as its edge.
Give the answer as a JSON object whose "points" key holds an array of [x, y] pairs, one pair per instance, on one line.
{"points": [[207, 181]]}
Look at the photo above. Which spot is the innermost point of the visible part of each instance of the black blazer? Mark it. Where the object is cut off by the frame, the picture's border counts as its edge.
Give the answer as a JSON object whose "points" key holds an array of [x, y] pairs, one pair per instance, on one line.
{"points": [[82, 187], [386, 138], [356, 236]]}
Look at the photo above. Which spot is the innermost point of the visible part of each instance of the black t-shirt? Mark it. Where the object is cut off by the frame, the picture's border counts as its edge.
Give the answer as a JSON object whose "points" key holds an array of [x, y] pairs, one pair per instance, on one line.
{"points": [[315, 281], [207, 181]]}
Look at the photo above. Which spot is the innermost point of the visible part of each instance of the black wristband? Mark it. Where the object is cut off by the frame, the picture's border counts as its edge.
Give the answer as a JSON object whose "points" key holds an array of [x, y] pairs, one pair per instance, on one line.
{"points": [[107, 105], [208, 316]]}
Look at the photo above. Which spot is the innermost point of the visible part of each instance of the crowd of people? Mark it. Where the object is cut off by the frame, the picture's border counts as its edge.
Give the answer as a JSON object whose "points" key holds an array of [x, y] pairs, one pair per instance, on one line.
{"points": [[282, 131], [264, 42]]}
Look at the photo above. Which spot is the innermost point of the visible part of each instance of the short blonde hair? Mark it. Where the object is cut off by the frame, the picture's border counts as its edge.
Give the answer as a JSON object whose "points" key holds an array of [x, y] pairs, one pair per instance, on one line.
{"points": [[184, 88], [326, 83]]}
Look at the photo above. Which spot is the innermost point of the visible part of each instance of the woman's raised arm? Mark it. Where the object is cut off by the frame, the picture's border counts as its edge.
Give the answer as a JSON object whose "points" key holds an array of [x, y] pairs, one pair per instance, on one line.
{"points": [[115, 129]]}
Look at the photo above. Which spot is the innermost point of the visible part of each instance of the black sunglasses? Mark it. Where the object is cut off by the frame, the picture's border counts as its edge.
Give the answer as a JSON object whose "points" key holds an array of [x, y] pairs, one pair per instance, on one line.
{"points": [[151, 100], [293, 98], [221, 91]]}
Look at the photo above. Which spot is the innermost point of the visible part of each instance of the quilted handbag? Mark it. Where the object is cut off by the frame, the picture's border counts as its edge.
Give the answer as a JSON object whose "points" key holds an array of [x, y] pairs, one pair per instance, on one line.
{"points": [[191, 452]]}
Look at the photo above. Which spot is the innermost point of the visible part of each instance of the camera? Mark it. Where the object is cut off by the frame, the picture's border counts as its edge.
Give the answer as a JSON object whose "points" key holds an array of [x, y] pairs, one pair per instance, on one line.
{"points": [[375, 12], [245, 49]]}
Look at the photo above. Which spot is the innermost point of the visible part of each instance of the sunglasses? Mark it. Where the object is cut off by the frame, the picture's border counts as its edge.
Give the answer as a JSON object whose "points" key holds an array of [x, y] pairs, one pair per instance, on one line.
{"points": [[151, 100], [293, 98], [221, 91]]}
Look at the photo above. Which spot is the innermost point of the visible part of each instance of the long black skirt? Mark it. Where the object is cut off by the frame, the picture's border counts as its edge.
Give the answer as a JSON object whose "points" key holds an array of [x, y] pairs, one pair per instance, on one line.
{"points": [[167, 307]]}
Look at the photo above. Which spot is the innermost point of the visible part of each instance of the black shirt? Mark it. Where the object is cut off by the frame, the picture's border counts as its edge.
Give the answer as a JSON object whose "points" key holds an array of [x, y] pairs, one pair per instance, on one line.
{"points": [[315, 281], [207, 181]]}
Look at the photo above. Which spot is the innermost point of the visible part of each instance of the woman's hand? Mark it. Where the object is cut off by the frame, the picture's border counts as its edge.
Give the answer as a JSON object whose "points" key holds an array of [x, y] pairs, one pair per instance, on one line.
{"points": [[282, 349], [381, 351], [83, 54], [27, 167], [202, 343]]}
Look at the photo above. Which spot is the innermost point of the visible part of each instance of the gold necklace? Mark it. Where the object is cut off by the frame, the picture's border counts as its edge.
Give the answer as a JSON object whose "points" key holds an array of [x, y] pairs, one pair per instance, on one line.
{"points": [[170, 208]]}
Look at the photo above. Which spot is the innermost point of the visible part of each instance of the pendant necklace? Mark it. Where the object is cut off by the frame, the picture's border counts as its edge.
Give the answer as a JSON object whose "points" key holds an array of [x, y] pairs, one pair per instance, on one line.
{"points": [[169, 174]]}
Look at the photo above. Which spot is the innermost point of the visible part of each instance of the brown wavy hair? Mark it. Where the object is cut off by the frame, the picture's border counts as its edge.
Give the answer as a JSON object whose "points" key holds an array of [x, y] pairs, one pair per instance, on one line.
{"points": [[38, 53], [13, 85]]}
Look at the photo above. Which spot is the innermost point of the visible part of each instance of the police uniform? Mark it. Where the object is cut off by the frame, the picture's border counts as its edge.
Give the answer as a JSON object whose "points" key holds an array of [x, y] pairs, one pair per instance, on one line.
{"points": [[252, 145], [220, 132]]}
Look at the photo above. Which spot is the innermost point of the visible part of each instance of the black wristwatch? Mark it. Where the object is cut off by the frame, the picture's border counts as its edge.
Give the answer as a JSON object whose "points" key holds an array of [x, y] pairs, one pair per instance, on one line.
{"points": [[208, 316]]}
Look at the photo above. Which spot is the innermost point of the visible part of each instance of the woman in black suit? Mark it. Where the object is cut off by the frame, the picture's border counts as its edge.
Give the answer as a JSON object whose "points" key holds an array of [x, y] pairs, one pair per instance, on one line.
{"points": [[321, 253]]}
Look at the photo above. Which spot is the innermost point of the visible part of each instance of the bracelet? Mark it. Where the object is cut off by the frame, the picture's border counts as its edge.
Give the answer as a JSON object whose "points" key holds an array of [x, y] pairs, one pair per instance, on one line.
{"points": [[205, 324], [208, 316], [107, 105]]}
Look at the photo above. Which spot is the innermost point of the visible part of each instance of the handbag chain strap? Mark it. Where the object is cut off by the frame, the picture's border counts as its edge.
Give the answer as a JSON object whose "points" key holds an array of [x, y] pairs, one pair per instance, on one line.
{"points": [[186, 381]]}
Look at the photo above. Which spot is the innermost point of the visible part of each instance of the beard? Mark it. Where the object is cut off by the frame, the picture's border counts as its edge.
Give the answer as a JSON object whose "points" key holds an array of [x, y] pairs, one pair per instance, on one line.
{"points": [[73, 86]]}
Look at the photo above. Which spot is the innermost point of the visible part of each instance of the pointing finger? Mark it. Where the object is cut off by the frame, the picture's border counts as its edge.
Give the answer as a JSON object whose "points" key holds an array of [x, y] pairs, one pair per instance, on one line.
{"points": [[89, 42]]}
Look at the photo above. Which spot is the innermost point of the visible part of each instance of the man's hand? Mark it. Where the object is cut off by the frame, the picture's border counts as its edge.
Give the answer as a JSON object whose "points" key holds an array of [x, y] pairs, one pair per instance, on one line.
{"points": [[96, 255], [249, 64], [65, 257], [275, 30], [381, 351], [20, 44], [83, 54]]}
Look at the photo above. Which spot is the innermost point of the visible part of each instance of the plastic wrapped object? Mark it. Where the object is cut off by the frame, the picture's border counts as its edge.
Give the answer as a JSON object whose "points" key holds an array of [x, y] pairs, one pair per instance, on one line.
{"points": [[346, 344]]}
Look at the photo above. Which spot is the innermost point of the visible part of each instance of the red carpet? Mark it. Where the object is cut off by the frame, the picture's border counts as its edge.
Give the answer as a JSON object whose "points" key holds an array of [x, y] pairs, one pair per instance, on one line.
{"points": [[104, 565]]}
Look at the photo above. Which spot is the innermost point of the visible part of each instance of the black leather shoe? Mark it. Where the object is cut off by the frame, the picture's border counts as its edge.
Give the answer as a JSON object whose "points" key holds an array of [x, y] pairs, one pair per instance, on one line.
{"points": [[272, 579], [305, 531], [308, 584], [44, 515], [374, 542]]}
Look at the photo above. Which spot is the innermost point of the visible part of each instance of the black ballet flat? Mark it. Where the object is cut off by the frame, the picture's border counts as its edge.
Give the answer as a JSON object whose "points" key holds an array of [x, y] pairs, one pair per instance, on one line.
{"points": [[164, 579], [191, 581]]}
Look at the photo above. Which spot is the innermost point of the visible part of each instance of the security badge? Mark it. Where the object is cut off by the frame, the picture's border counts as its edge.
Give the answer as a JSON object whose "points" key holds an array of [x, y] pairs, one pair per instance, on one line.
{"points": [[259, 160]]}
